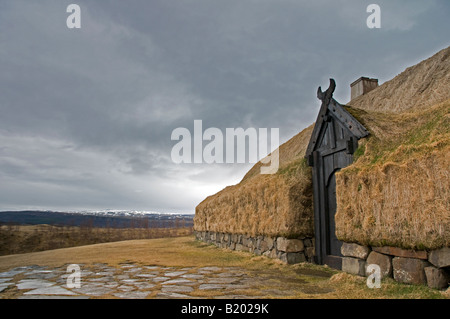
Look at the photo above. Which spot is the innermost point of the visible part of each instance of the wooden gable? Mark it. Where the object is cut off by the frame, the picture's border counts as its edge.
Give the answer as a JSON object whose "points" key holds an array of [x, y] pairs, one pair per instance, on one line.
{"points": [[333, 141], [333, 121]]}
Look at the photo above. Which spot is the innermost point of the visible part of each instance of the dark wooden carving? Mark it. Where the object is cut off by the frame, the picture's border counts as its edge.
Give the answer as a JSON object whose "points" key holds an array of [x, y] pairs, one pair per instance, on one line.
{"points": [[333, 141]]}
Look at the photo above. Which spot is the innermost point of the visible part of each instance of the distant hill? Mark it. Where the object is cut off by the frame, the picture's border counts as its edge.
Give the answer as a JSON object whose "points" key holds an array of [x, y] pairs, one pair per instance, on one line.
{"points": [[113, 219]]}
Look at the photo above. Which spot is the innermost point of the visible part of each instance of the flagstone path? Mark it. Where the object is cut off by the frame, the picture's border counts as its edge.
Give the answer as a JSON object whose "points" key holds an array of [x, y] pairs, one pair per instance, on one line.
{"points": [[132, 281]]}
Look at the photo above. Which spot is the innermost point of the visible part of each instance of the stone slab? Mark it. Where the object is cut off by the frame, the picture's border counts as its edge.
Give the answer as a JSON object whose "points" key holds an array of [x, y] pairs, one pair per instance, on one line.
{"points": [[39, 271], [3, 280], [54, 290], [437, 278], [289, 245], [353, 266], [354, 250], [101, 279], [11, 273], [3, 286], [105, 273], [40, 275], [409, 270], [266, 244], [174, 273], [399, 252], [178, 281], [146, 275], [293, 258], [160, 279], [131, 270], [93, 290], [384, 261], [126, 288], [440, 257], [144, 285], [129, 281], [34, 284], [271, 254], [177, 289], [171, 295], [132, 294], [111, 284]]}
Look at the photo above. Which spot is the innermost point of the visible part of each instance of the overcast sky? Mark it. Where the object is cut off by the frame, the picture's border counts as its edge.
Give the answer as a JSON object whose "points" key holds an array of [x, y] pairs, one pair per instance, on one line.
{"points": [[86, 115]]}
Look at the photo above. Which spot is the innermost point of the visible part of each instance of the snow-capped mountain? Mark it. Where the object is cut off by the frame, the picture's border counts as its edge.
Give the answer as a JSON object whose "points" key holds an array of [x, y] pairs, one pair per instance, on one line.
{"points": [[127, 213]]}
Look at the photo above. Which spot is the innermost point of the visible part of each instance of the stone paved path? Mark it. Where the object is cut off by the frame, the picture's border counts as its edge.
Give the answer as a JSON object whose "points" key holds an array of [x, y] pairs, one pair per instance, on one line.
{"points": [[139, 282]]}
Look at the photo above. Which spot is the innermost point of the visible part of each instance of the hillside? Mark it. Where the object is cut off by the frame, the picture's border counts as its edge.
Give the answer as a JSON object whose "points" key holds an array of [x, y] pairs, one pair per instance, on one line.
{"points": [[381, 197], [113, 219]]}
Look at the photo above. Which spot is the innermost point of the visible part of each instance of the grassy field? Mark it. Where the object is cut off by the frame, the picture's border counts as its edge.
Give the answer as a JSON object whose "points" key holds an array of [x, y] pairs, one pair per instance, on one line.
{"points": [[17, 239], [187, 252]]}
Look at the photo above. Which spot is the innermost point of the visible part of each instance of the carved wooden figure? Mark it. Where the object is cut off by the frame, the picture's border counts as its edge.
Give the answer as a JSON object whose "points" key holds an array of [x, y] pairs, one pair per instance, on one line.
{"points": [[333, 141]]}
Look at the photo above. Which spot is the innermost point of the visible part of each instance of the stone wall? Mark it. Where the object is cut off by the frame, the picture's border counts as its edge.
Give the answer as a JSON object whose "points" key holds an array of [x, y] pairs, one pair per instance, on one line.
{"points": [[430, 268], [290, 251], [406, 266]]}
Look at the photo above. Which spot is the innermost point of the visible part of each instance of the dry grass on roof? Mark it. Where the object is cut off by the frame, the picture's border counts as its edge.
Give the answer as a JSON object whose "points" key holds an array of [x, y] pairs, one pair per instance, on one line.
{"points": [[274, 205], [418, 87], [397, 192]]}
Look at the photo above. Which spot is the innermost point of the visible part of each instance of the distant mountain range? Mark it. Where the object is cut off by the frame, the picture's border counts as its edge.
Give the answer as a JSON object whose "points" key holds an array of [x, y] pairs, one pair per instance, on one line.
{"points": [[100, 218], [129, 213]]}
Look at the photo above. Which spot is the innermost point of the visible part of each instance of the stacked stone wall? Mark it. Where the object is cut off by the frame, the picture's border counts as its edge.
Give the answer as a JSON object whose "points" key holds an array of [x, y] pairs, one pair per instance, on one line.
{"points": [[430, 268], [290, 251]]}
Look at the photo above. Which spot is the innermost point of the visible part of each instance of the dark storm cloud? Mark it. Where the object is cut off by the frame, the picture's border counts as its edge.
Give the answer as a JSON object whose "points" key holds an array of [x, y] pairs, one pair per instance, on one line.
{"points": [[87, 115]]}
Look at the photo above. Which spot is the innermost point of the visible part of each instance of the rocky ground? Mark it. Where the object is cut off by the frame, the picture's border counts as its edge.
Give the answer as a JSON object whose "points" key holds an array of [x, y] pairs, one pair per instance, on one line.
{"points": [[182, 267], [140, 282]]}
